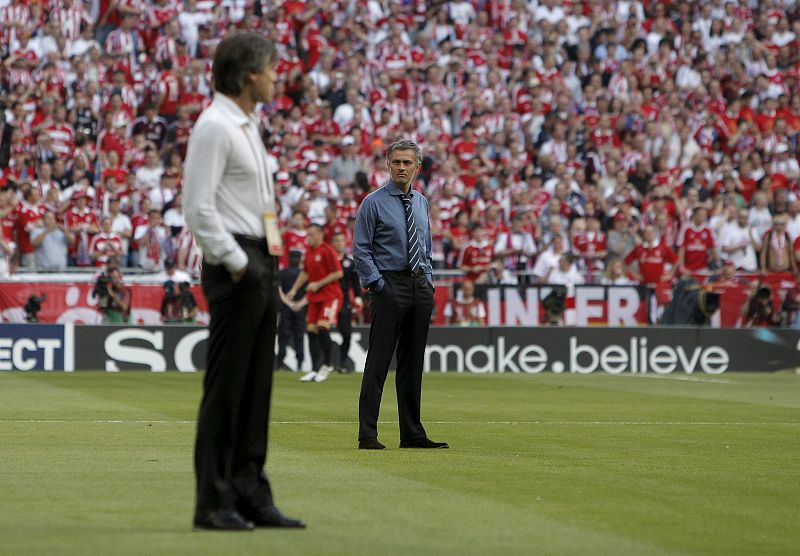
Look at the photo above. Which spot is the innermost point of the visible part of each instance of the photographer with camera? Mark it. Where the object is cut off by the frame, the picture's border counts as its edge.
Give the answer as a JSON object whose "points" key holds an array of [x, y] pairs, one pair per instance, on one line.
{"points": [[758, 310], [113, 298], [178, 303], [170, 304], [188, 304], [33, 306]]}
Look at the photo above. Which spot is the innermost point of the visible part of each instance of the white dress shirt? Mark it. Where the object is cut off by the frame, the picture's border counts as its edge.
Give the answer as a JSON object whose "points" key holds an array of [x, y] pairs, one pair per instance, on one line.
{"points": [[547, 261], [569, 278], [227, 186], [148, 178], [732, 235]]}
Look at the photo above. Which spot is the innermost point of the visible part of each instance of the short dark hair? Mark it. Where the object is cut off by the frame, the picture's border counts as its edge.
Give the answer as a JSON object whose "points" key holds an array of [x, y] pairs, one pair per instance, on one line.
{"points": [[237, 55], [404, 145]]}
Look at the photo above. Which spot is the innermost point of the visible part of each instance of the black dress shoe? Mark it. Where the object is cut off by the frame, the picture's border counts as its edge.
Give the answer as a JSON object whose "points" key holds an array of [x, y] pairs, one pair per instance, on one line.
{"points": [[370, 444], [272, 517], [222, 520], [422, 443]]}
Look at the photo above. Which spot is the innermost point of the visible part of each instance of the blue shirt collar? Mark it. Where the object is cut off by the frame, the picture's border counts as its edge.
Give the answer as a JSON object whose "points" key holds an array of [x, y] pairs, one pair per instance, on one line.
{"points": [[394, 190]]}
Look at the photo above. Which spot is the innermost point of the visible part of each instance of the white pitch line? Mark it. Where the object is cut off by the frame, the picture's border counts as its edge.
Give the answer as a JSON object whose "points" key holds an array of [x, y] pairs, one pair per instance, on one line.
{"points": [[567, 423], [685, 378], [100, 421]]}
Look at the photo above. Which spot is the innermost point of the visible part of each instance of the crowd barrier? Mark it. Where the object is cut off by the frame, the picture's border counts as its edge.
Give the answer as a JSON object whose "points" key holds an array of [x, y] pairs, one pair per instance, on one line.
{"points": [[579, 350], [71, 301]]}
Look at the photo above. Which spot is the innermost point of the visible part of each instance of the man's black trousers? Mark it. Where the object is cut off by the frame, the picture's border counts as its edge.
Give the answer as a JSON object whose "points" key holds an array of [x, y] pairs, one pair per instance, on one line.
{"points": [[344, 323], [231, 445], [291, 332], [401, 317]]}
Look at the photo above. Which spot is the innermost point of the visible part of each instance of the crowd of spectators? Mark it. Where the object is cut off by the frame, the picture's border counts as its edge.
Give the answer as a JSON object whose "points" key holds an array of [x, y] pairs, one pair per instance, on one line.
{"points": [[611, 141]]}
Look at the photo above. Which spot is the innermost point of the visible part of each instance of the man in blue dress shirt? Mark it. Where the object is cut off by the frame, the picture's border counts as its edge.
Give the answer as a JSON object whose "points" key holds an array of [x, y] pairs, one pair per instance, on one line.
{"points": [[392, 252]]}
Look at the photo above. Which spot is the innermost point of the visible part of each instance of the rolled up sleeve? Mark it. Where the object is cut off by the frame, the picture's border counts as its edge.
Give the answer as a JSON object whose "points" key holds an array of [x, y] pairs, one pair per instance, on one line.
{"points": [[363, 251], [208, 148]]}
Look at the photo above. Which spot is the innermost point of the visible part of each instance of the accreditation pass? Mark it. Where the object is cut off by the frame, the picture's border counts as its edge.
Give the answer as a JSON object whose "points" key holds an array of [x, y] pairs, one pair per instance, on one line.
{"points": [[272, 233]]}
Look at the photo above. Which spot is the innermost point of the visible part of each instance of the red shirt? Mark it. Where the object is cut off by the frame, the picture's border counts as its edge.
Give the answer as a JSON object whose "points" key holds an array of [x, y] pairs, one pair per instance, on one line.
{"points": [[346, 210], [320, 262], [169, 86], [73, 219], [197, 99], [765, 120], [606, 138], [179, 134], [651, 261], [449, 208], [108, 141], [63, 138], [472, 311], [792, 120], [697, 243], [476, 255], [28, 217], [590, 243], [7, 225], [293, 240], [539, 202], [139, 219], [334, 228], [105, 246], [465, 151], [494, 229]]}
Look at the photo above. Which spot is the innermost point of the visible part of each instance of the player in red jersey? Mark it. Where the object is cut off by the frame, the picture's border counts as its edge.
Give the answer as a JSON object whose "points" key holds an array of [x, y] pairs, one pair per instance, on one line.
{"points": [[295, 238], [476, 258], [696, 246], [322, 270], [652, 256]]}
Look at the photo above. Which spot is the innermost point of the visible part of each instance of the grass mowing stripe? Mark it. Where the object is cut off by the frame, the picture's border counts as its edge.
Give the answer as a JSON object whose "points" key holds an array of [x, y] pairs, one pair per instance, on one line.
{"points": [[546, 464], [470, 423], [781, 389]]}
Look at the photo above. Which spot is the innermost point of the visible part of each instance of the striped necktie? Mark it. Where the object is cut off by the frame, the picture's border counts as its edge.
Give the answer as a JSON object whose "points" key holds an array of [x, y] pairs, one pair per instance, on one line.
{"points": [[414, 251]]}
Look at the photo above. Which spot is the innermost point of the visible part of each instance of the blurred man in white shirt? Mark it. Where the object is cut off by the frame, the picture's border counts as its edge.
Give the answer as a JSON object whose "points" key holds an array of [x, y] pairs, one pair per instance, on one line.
{"points": [[230, 207]]}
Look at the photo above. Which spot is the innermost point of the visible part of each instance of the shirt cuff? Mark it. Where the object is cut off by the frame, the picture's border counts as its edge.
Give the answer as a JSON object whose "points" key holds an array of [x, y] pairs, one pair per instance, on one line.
{"points": [[236, 260], [377, 285]]}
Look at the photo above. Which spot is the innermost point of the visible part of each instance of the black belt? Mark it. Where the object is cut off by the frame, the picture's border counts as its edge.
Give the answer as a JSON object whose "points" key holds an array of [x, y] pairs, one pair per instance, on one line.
{"points": [[407, 272], [259, 243]]}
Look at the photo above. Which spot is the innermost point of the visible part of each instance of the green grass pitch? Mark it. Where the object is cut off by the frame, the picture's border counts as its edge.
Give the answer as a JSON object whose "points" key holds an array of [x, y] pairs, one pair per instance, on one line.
{"points": [[101, 464]]}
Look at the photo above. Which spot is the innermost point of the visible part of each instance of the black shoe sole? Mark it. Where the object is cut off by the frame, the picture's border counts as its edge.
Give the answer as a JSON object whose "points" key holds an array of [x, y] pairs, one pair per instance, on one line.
{"points": [[196, 527], [274, 526], [378, 447]]}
